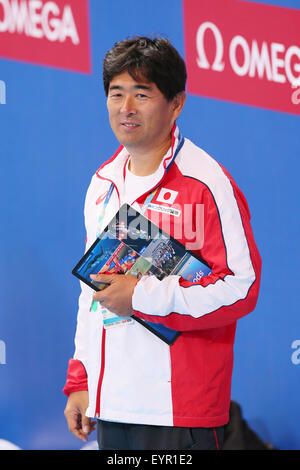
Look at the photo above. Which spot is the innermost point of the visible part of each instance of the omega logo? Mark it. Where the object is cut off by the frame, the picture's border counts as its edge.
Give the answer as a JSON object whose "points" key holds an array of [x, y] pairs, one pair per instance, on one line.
{"points": [[38, 19], [202, 61], [273, 61]]}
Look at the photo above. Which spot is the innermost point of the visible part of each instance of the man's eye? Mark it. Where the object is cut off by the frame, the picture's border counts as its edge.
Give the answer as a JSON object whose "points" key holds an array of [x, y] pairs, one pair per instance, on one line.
{"points": [[141, 95]]}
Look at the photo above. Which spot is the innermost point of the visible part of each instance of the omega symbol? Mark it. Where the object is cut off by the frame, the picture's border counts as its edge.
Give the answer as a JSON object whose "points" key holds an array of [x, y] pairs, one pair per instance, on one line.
{"points": [[217, 65]]}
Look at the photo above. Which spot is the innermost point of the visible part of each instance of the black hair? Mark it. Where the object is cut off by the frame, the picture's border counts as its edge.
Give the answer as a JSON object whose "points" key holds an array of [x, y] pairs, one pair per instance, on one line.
{"points": [[155, 60]]}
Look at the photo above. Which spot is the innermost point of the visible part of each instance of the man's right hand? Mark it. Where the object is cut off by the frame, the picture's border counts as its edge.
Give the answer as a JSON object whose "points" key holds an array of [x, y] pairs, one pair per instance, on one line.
{"points": [[79, 424]]}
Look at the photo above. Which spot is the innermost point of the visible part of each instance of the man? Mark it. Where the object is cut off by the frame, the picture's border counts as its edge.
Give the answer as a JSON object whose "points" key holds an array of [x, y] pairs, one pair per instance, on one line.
{"points": [[144, 393]]}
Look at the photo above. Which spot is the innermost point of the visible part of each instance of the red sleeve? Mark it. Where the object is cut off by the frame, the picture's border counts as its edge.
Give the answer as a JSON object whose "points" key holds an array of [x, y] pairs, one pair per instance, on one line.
{"points": [[76, 377]]}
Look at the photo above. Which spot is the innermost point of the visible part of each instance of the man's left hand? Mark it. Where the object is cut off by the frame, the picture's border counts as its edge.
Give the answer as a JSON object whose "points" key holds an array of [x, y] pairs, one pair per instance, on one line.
{"points": [[117, 297]]}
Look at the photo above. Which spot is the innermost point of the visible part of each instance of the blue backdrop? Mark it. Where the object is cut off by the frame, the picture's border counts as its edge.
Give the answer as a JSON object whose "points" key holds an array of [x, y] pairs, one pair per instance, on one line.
{"points": [[54, 134]]}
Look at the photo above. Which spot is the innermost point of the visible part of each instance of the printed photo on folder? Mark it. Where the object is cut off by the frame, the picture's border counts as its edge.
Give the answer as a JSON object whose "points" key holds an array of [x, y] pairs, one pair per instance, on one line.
{"points": [[132, 244]]}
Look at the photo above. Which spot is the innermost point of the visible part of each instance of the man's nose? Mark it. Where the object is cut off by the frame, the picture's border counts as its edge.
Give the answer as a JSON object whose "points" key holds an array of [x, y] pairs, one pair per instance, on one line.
{"points": [[128, 106]]}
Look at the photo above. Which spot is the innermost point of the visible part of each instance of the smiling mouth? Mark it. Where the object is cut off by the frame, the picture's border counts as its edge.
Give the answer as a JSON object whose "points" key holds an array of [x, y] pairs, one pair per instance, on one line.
{"points": [[129, 125]]}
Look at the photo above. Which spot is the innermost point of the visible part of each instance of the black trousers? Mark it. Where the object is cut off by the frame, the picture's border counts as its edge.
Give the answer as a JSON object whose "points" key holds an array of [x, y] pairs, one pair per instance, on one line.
{"points": [[123, 436]]}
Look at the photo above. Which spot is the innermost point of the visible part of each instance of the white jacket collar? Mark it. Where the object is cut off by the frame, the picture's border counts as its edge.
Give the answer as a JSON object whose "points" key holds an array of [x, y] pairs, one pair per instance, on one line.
{"points": [[113, 170]]}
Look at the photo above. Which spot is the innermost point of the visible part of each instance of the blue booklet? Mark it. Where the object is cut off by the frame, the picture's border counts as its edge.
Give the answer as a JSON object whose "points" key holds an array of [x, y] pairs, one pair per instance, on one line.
{"points": [[132, 244]]}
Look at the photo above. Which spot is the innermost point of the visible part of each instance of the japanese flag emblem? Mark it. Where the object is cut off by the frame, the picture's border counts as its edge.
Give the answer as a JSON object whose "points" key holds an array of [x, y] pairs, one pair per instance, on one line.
{"points": [[167, 195]]}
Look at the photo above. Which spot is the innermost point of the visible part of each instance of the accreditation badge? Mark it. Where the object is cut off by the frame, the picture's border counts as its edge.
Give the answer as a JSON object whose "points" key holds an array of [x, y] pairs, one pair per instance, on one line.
{"points": [[111, 320]]}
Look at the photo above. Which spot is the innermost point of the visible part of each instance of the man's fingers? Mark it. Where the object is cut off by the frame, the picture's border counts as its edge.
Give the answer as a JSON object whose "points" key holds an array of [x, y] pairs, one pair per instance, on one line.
{"points": [[75, 426], [105, 278], [87, 425], [75, 415], [117, 296], [101, 295], [80, 426]]}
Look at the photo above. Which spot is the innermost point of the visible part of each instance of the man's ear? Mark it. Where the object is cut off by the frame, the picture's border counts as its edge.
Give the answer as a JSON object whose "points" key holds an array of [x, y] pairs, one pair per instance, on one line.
{"points": [[178, 103]]}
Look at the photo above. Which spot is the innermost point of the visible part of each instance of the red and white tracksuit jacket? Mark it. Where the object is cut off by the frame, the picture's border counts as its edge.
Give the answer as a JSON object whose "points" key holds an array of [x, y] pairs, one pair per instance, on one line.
{"points": [[131, 375]]}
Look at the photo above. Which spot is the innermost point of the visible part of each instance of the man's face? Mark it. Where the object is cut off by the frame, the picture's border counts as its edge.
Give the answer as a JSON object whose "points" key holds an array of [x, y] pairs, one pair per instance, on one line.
{"points": [[139, 114]]}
